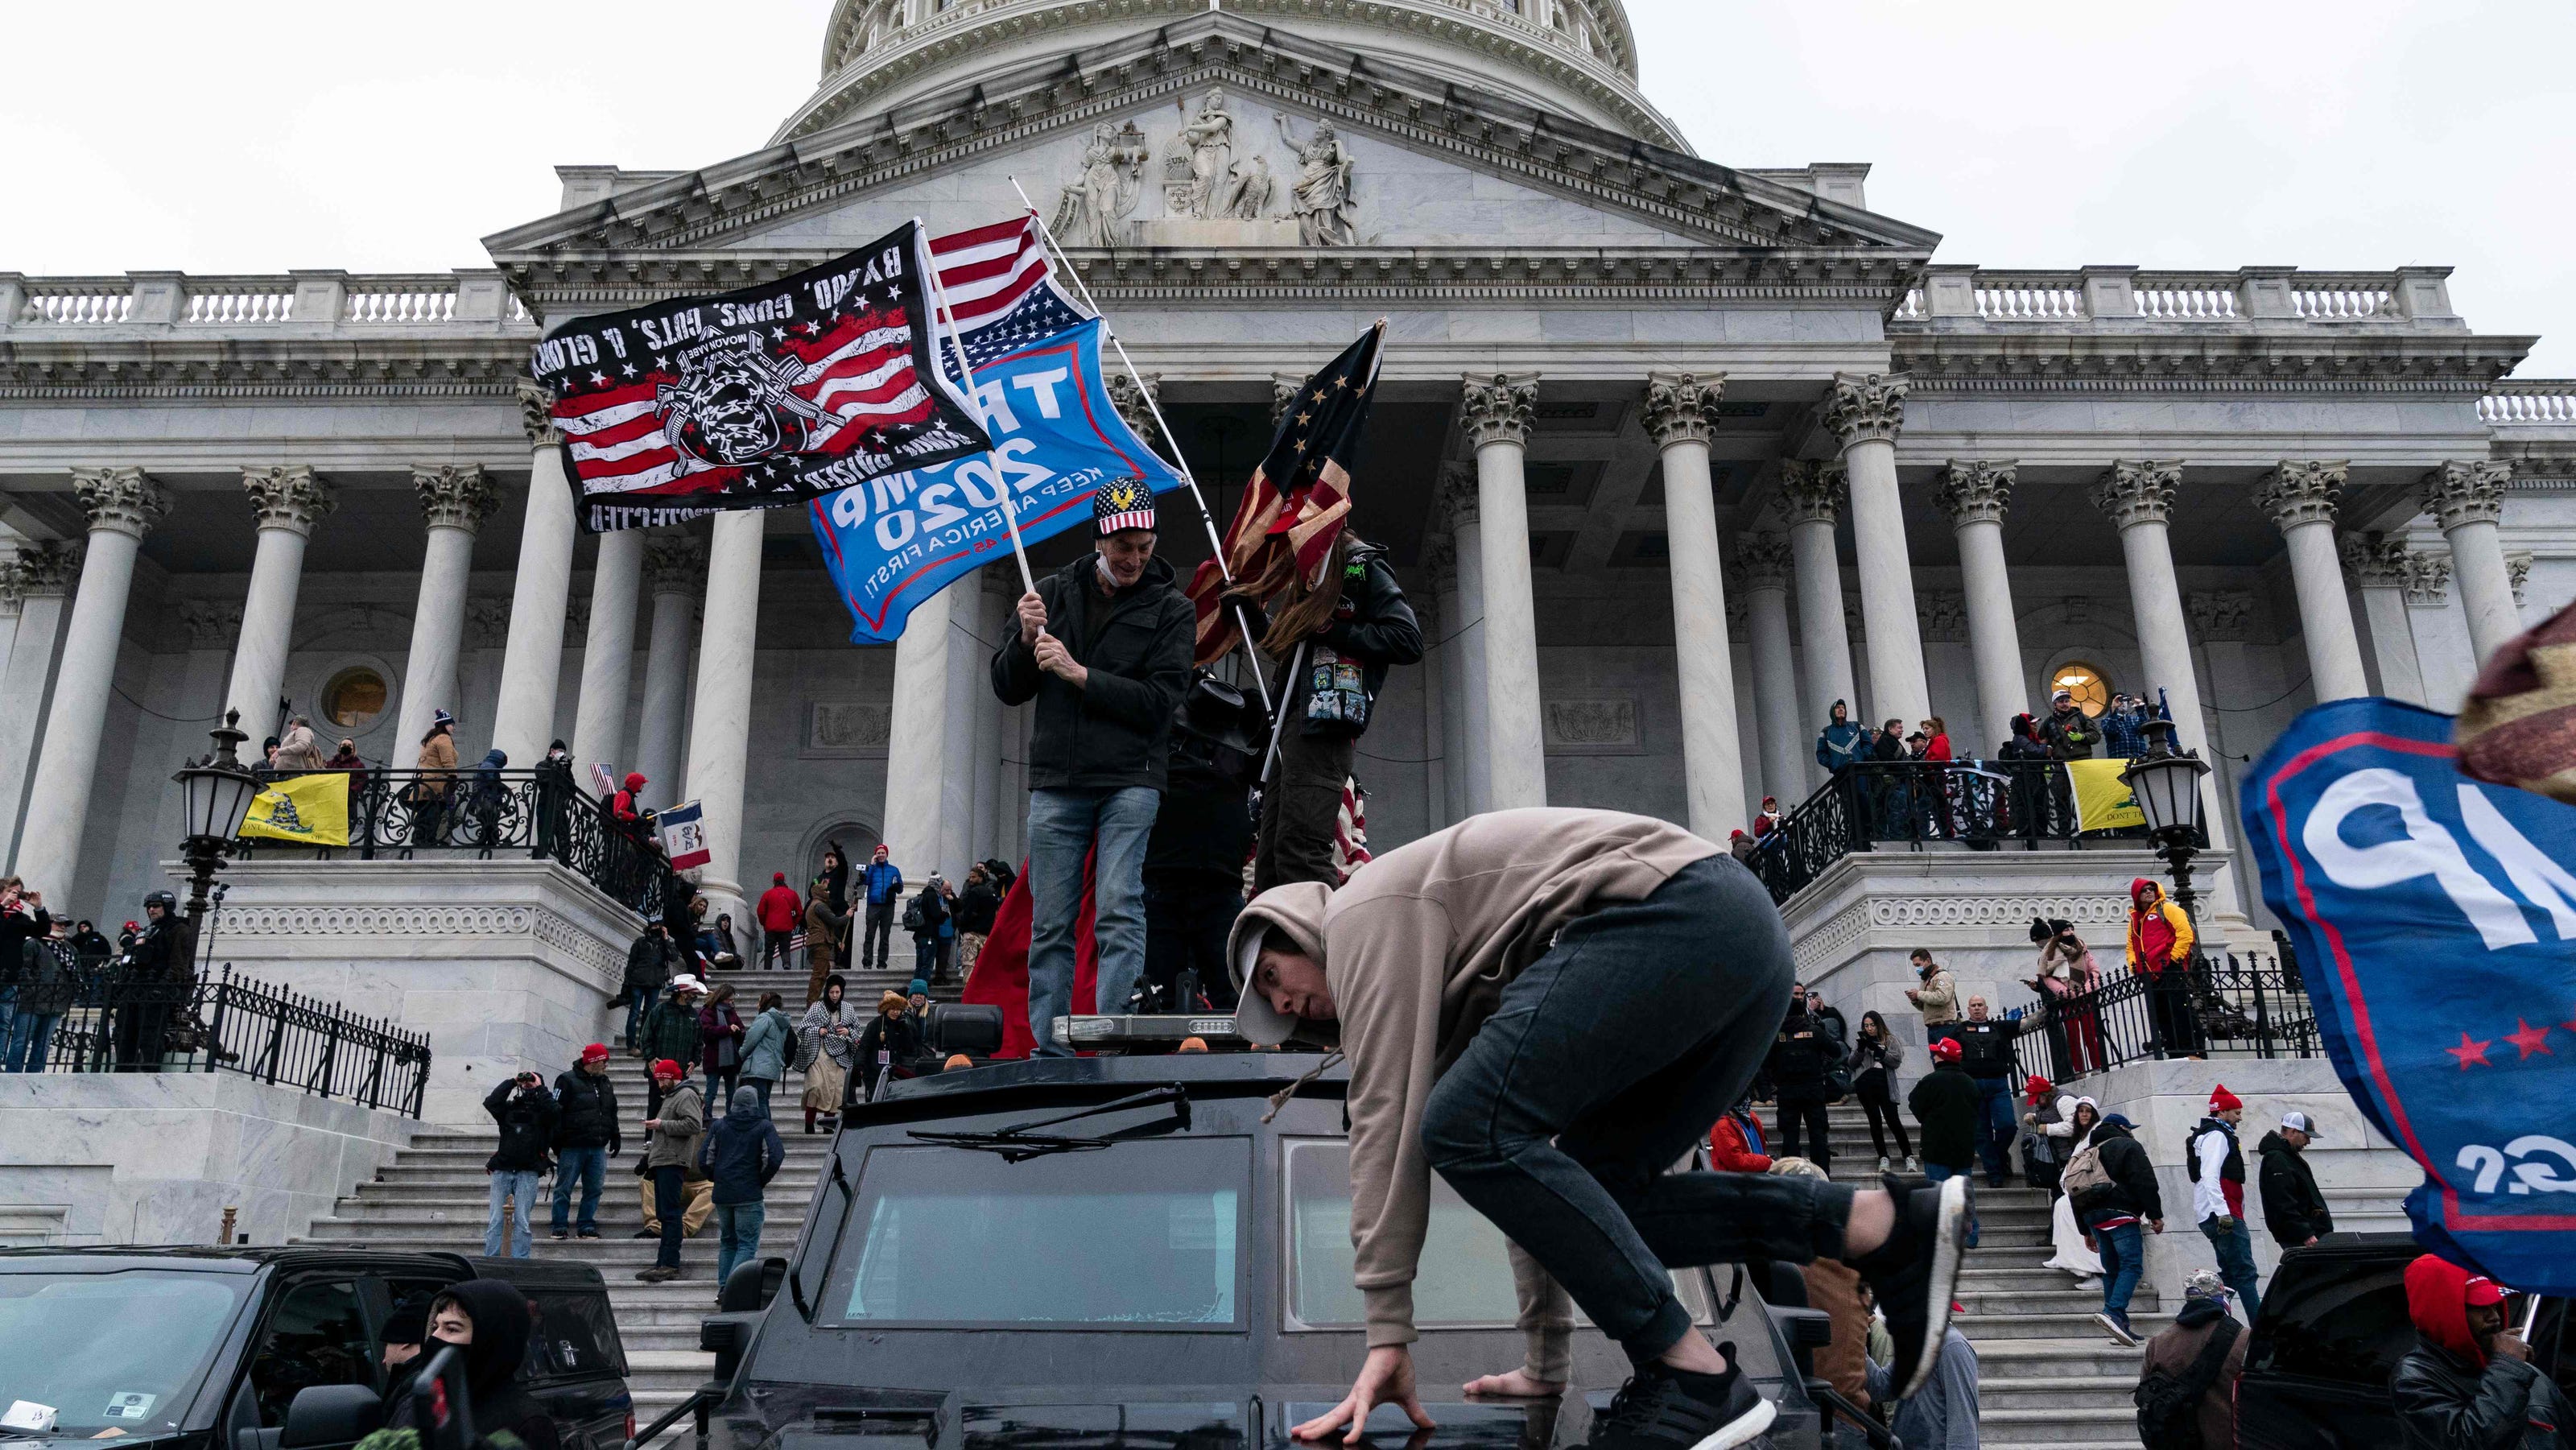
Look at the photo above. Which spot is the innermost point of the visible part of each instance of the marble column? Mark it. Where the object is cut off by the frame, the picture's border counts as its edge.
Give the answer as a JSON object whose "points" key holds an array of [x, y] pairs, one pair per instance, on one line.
{"points": [[677, 569], [1976, 495], [917, 739], [1865, 410], [1679, 409], [12, 608], [2467, 500], [1810, 493], [454, 502], [1460, 501], [44, 575], [720, 733], [1764, 559], [1436, 760], [2381, 569], [532, 665], [2300, 498], [608, 655], [1497, 419], [122, 505], [289, 501]]}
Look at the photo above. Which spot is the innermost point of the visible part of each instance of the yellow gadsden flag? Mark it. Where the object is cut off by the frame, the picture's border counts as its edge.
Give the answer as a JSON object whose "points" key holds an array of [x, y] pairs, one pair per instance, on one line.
{"points": [[2102, 799], [311, 810]]}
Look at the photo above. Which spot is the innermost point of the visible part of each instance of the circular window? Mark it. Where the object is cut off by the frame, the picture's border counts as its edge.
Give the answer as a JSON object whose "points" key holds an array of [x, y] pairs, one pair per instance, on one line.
{"points": [[2091, 690], [354, 698]]}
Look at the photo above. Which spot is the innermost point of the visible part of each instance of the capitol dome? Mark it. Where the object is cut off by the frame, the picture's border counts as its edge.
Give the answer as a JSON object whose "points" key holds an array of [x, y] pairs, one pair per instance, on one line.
{"points": [[1573, 57]]}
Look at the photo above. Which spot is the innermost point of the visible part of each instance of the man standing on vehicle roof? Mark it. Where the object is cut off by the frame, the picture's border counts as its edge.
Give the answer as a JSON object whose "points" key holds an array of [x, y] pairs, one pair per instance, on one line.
{"points": [[1473, 977]]}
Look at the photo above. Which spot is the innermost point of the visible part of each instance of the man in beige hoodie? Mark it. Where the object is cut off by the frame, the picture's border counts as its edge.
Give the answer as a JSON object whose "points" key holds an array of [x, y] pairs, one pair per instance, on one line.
{"points": [[1551, 1007]]}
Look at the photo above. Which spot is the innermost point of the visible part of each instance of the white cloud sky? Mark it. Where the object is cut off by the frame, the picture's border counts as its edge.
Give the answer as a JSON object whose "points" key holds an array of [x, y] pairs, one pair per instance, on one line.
{"points": [[258, 137]]}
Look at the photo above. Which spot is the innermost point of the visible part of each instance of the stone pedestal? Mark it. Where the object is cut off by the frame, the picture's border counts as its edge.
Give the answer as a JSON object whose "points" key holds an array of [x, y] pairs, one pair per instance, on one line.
{"points": [[1218, 233], [505, 964]]}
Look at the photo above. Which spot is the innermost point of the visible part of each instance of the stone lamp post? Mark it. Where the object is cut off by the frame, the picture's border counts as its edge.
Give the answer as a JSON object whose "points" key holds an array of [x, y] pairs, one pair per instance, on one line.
{"points": [[2166, 786]]}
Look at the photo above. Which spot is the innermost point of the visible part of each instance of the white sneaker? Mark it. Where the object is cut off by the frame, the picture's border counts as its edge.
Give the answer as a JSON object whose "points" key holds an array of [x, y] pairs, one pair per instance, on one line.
{"points": [[1913, 1164], [1882, 1163], [2113, 1327]]}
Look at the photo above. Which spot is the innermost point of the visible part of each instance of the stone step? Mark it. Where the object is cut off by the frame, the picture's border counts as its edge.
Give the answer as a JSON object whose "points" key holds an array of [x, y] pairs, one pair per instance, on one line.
{"points": [[799, 1174], [2033, 1279], [2067, 1324], [2093, 1356], [612, 1255], [2055, 1425], [2054, 1301], [2058, 1392], [617, 1213]]}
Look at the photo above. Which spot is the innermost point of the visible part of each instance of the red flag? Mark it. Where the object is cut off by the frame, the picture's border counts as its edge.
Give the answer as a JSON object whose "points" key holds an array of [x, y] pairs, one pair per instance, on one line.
{"points": [[1001, 975]]}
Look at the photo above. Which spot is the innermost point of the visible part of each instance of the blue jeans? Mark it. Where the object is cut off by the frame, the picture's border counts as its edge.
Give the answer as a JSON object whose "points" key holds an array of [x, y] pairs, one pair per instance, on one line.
{"points": [[1936, 1172], [1564, 1147], [590, 1165], [2235, 1249], [737, 1237], [521, 1189], [637, 1004], [1995, 1127], [8, 1024], [2124, 1257], [27, 1037], [1064, 827]]}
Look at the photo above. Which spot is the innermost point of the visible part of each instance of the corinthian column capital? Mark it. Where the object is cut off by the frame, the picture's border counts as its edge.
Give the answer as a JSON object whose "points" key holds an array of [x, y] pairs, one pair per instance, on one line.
{"points": [[1812, 490], [120, 500], [1974, 492], [48, 568], [2301, 493], [2466, 492], [1498, 409], [1130, 397], [453, 497], [2375, 561], [288, 496], [675, 565], [1681, 407], [1764, 558], [1283, 394], [1866, 406], [1460, 502], [536, 415], [2139, 492]]}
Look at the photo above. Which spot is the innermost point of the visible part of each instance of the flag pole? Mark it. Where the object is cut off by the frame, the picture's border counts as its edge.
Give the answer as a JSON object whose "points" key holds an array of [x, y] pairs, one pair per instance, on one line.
{"points": [[1180, 460], [1010, 509]]}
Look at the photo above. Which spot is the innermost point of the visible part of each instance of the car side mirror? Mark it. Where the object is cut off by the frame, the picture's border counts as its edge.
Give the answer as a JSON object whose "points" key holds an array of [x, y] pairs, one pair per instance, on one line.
{"points": [[751, 1286], [323, 1415]]}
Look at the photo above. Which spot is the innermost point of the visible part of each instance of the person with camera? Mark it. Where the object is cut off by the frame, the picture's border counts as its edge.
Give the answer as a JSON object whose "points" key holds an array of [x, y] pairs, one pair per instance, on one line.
{"points": [[525, 1112], [2066, 981], [586, 1137], [23, 919]]}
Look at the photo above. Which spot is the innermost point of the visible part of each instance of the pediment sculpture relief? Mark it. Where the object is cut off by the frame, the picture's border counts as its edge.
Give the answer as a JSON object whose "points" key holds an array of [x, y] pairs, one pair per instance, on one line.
{"points": [[1220, 187], [1096, 203]]}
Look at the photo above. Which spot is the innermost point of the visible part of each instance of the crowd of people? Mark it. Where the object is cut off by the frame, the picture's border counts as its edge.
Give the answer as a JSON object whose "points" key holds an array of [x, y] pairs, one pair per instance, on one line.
{"points": [[49, 965]]}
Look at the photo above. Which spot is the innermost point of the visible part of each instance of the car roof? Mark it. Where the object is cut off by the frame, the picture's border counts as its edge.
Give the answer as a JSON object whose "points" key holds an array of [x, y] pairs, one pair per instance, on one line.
{"points": [[1216, 1069], [220, 1259]]}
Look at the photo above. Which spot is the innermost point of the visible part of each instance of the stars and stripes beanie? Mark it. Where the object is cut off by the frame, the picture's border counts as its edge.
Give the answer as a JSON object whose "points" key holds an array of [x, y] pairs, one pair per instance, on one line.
{"points": [[1123, 503]]}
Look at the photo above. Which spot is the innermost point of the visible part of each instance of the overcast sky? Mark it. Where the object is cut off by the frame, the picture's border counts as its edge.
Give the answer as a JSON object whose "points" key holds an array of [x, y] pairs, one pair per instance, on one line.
{"points": [[259, 136]]}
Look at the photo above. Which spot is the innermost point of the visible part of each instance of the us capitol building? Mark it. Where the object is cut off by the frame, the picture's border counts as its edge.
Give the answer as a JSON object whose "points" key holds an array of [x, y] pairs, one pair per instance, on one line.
{"points": [[1671, 456]]}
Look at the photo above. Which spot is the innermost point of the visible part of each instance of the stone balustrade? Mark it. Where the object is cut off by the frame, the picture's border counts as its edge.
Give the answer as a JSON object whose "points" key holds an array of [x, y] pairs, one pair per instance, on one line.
{"points": [[2543, 402], [475, 301], [863, 26], [2122, 298]]}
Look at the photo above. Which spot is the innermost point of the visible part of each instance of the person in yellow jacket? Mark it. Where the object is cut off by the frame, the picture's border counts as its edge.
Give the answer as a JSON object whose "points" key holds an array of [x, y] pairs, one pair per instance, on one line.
{"points": [[2160, 942]]}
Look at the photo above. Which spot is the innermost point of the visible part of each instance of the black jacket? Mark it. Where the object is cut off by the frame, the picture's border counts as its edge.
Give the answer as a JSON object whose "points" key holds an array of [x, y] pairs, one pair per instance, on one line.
{"points": [[976, 904], [2069, 734], [649, 962], [2443, 1403], [90, 948], [2132, 1189], [586, 1112], [1374, 624], [2293, 1210], [1115, 731], [897, 1037], [742, 1152], [527, 1128], [1203, 831], [1801, 1055], [1985, 1048], [1945, 1103]]}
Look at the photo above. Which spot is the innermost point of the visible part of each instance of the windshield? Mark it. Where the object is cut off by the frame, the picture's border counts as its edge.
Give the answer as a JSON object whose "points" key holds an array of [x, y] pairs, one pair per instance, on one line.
{"points": [[1143, 1235], [112, 1351], [1463, 1279]]}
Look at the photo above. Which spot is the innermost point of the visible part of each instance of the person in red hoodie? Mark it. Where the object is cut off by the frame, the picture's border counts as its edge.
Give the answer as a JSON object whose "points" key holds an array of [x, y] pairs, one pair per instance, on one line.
{"points": [[780, 910], [2469, 1383], [1735, 1142]]}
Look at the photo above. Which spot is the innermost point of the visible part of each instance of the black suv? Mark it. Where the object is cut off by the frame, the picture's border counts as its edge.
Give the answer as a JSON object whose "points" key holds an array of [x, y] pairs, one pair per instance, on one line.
{"points": [[207, 1349], [1128, 1251], [2333, 1327]]}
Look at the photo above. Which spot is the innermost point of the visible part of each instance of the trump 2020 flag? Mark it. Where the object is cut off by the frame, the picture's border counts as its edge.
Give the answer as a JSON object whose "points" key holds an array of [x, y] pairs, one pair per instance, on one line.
{"points": [[768, 395], [684, 835], [1056, 438], [2435, 919]]}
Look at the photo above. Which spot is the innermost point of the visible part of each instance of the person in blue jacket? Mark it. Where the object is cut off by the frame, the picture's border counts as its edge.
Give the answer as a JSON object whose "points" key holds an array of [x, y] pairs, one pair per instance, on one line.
{"points": [[882, 885], [1841, 741], [739, 1155]]}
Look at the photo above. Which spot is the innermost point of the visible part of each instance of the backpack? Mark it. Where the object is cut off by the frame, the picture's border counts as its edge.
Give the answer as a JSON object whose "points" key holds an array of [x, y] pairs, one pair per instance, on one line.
{"points": [[912, 916], [2083, 1172], [2169, 1405]]}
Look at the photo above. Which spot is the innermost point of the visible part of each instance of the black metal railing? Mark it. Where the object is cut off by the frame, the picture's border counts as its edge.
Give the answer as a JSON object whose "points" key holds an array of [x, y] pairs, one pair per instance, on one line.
{"points": [[2222, 1006], [404, 814], [1981, 805], [95, 1020]]}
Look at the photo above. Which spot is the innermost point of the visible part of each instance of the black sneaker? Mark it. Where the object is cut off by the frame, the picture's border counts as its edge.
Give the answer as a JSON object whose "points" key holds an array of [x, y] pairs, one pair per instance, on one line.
{"points": [[1915, 1274], [1660, 1408]]}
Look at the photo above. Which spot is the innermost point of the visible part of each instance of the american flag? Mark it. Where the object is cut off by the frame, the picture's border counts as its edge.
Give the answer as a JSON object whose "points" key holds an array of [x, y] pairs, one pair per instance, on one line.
{"points": [[1294, 508], [1350, 831], [1001, 290]]}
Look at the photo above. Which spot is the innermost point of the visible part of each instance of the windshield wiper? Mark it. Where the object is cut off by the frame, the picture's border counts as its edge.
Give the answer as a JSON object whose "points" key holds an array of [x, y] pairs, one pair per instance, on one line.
{"points": [[1019, 1141]]}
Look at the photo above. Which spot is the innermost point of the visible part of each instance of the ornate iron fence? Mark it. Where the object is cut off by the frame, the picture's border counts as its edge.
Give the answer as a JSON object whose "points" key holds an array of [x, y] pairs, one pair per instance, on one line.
{"points": [[95, 1020], [1979, 805], [403, 814], [2232, 1006]]}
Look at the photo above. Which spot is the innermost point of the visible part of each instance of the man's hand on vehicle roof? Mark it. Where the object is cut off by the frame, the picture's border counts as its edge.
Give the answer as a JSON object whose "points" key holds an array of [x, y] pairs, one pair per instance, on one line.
{"points": [[1385, 1379], [1517, 1385]]}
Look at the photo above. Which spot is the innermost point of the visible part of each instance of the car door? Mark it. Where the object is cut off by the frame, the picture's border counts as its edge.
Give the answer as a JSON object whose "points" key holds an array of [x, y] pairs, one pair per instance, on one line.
{"points": [[315, 1333], [2318, 1366]]}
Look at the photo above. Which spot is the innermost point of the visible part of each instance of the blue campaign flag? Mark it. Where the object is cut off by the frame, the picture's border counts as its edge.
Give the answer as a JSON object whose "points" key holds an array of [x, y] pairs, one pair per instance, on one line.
{"points": [[897, 541], [2435, 920]]}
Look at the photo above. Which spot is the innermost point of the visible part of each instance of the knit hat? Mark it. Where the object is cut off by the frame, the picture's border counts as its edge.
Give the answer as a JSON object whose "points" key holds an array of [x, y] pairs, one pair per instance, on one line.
{"points": [[441, 717], [2221, 1100], [916, 988], [1946, 1049], [596, 1052], [2204, 1284], [1122, 503], [668, 1068]]}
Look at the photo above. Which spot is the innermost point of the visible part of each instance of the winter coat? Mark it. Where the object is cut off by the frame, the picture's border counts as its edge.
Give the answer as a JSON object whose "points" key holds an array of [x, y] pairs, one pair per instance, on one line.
{"points": [[91, 949], [683, 1120], [487, 779], [2450, 1395], [2124, 733], [2081, 975], [1202, 831], [2132, 1189], [822, 932], [354, 763], [2160, 935], [670, 1030], [1937, 748], [1885, 746], [298, 750], [899, 1038], [1838, 745], [2293, 1210], [716, 1024], [1115, 731], [1945, 1102], [780, 909], [979, 902], [527, 1122], [930, 909], [742, 1152], [437, 764], [882, 881], [586, 1112], [19, 925], [494, 1365], [1873, 1054], [2215, 1165], [1373, 624], [1937, 998], [810, 1037], [2069, 734], [648, 962], [1735, 1145], [1985, 1048], [768, 1046], [1800, 1057], [2175, 1349]]}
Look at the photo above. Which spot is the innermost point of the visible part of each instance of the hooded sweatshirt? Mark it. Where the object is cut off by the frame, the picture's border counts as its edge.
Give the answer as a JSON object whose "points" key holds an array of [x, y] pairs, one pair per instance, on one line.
{"points": [[503, 1323], [2293, 1209], [1417, 950], [2159, 934], [2449, 1394]]}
